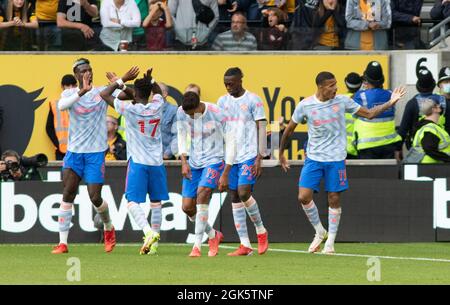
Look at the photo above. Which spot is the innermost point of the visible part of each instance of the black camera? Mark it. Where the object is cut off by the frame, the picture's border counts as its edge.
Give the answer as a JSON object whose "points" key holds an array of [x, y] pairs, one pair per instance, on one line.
{"points": [[38, 160], [12, 166]]}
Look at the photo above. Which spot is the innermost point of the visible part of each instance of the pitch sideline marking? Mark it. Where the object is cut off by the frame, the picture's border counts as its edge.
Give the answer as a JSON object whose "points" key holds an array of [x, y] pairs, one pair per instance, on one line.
{"points": [[357, 255], [442, 260]]}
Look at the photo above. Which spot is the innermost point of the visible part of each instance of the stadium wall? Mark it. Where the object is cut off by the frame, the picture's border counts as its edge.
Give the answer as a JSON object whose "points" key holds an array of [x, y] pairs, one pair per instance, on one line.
{"points": [[385, 203]]}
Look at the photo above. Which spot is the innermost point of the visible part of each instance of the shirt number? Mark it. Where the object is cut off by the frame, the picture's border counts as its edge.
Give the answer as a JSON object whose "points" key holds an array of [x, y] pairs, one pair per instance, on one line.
{"points": [[155, 124]]}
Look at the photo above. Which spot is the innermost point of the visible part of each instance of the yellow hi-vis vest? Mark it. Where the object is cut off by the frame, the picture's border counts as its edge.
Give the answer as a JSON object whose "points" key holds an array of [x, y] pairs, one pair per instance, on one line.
{"points": [[376, 132], [444, 141], [349, 127], [121, 129], [61, 124]]}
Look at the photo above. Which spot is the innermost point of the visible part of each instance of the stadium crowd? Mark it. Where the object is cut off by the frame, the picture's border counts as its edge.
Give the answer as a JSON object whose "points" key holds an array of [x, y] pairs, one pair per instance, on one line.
{"points": [[225, 25]]}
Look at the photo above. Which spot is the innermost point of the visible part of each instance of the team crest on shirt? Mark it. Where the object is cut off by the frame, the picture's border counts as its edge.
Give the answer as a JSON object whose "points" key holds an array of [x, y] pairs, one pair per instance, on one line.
{"points": [[314, 112], [335, 108], [244, 107]]}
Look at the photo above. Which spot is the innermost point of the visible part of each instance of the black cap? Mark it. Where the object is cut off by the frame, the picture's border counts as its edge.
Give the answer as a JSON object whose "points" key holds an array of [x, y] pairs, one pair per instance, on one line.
{"points": [[374, 73], [353, 81], [444, 74]]}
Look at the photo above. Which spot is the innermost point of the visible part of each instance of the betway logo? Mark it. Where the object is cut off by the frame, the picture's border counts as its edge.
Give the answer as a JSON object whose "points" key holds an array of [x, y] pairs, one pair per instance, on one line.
{"points": [[441, 196], [47, 211]]}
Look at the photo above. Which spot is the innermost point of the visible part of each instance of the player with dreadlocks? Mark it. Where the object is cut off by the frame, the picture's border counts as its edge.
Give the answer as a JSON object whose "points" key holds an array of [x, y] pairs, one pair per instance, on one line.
{"points": [[146, 173]]}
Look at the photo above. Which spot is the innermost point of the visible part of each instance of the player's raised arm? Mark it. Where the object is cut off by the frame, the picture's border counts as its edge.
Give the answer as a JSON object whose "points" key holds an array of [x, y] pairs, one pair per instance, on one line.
{"points": [[156, 89], [67, 102], [284, 139], [397, 94], [107, 94]]}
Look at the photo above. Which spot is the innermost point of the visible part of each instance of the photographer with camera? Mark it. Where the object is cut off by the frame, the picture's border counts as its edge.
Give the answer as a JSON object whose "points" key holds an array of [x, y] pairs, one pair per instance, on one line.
{"points": [[15, 168]]}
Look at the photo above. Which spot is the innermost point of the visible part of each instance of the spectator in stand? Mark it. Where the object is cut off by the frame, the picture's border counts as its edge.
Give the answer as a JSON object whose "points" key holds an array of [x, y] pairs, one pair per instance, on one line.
{"points": [[367, 24], [117, 146], [413, 110], [406, 23], [375, 138], [155, 26], [301, 29], [19, 19], [274, 36], [226, 9], [191, 33], [440, 10], [57, 126], [329, 19], [237, 39], [118, 18], [75, 21], [49, 38], [139, 39]]}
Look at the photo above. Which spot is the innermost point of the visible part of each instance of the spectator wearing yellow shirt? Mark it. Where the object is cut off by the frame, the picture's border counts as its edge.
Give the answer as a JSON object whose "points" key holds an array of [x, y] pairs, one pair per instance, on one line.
{"points": [[330, 20], [116, 145], [368, 22], [49, 33]]}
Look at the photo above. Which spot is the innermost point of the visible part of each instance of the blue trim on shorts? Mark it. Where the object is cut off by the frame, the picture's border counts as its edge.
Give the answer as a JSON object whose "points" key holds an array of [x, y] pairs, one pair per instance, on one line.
{"points": [[202, 177], [88, 166]]}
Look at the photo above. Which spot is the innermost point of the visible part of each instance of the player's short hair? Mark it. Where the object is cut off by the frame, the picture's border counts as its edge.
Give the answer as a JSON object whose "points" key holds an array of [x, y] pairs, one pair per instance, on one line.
{"points": [[143, 87], [79, 62], [192, 86], [324, 76], [235, 71], [68, 80], [191, 100]]}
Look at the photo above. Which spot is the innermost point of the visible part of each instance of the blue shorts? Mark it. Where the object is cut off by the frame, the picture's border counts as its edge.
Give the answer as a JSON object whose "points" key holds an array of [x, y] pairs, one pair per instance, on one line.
{"points": [[202, 177], [88, 166], [334, 173], [241, 174], [145, 179]]}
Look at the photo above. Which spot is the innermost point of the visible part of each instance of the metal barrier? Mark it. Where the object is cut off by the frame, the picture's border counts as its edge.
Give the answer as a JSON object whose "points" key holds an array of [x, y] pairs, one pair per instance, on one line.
{"points": [[444, 31]]}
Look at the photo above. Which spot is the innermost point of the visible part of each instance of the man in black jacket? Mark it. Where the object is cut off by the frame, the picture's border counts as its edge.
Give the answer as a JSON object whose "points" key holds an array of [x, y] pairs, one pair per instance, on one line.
{"points": [[440, 10], [406, 23]]}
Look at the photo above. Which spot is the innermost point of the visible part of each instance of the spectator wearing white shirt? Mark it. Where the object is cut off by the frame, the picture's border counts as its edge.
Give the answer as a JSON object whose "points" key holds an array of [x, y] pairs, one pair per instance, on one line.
{"points": [[118, 18]]}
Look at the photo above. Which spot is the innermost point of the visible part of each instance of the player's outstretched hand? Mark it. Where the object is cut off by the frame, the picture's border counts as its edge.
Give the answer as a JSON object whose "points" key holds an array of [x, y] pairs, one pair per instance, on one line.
{"points": [[148, 75], [131, 74], [284, 163], [112, 77], [397, 94]]}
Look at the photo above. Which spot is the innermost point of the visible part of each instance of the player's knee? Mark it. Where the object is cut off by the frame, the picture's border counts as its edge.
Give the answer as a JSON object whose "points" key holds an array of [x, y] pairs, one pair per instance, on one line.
{"points": [[333, 200], [96, 199], [304, 199], [189, 209], [234, 197], [69, 196], [244, 195], [203, 195]]}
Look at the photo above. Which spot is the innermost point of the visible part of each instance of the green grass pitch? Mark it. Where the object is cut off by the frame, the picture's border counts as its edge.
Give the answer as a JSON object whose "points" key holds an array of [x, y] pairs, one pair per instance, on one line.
{"points": [[414, 263]]}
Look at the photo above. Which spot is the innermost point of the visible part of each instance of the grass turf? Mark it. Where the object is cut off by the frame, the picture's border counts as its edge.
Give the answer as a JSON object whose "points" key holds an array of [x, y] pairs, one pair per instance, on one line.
{"points": [[33, 264]]}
